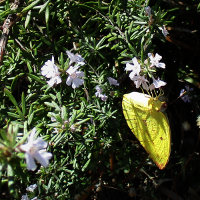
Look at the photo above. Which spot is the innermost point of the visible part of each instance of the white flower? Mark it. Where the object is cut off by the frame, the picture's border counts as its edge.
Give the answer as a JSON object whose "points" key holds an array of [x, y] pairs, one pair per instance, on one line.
{"points": [[35, 149], [55, 131], [25, 197], [113, 81], [157, 83], [55, 80], [50, 70], [74, 77], [164, 30], [148, 11], [135, 67], [103, 97], [31, 188], [99, 93], [75, 58], [154, 60], [140, 80], [184, 94]]}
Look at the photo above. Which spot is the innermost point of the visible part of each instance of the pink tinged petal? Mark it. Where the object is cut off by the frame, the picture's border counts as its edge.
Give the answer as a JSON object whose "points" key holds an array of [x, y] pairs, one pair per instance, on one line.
{"points": [[30, 162]]}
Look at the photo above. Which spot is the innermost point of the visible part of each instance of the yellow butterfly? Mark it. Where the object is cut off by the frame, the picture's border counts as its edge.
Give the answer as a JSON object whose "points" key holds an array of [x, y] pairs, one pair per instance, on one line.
{"points": [[150, 126]]}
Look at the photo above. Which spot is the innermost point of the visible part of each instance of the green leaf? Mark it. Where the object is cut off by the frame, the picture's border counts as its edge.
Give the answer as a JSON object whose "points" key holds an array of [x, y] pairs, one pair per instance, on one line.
{"points": [[28, 18], [29, 7], [47, 14], [44, 6], [11, 97], [13, 115], [36, 78], [10, 174], [86, 165], [23, 104]]}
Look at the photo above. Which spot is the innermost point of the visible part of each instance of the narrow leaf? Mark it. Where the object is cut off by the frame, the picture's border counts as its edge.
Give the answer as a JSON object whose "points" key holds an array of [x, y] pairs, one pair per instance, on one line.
{"points": [[30, 6], [23, 104], [28, 18]]}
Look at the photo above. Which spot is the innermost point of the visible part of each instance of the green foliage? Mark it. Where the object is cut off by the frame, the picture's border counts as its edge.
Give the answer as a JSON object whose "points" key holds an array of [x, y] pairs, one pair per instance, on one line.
{"points": [[85, 134]]}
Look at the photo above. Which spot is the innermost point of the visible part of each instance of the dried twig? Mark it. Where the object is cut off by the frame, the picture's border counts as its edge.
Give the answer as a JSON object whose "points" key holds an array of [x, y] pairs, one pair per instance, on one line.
{"points": [[8, 23], [10, 20]]}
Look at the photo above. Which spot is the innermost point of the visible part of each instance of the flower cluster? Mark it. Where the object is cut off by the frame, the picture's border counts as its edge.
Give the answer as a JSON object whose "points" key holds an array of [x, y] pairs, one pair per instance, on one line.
{"points": [[139, 72], [99, 94], [99, 90], [75, 77]]}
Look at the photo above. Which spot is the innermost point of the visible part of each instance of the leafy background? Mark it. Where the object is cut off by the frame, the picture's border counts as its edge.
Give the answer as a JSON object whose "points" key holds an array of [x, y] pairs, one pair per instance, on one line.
{"points": [[100, 158]]}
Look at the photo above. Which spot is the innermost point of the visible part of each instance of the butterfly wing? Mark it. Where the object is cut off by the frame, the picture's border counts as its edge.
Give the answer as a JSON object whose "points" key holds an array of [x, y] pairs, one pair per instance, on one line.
{"points": [[150, 126]]}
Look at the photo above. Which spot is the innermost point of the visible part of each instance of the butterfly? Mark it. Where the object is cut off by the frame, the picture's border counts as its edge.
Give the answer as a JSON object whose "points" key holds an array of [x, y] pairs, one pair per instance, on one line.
{"points": [[149, 124]]}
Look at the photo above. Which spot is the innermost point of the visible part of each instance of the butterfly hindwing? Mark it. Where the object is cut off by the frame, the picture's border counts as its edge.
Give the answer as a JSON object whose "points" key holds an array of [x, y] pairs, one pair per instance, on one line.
{"points": [[149, 125]]}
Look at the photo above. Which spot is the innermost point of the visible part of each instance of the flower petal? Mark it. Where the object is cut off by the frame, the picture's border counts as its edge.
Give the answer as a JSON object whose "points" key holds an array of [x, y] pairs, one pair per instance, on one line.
{"points": [[30, 162], [77, 82], [113, 81], [40, 143], [69, 81], [25, 147], [43, 157]]}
